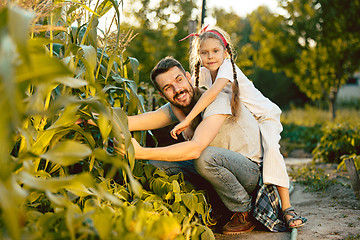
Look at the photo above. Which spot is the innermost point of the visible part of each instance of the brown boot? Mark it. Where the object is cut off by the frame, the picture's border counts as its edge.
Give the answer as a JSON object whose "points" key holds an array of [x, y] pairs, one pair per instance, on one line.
{"points": [[239, 223]]}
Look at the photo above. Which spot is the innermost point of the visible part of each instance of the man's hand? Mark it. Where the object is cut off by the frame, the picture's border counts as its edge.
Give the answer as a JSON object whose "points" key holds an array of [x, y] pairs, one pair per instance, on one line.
{"points": [[120, 148], [137, 148]]}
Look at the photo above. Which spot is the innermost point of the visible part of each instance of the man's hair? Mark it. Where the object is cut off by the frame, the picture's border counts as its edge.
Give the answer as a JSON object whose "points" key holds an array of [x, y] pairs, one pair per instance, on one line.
{"points": [[163, 66]]}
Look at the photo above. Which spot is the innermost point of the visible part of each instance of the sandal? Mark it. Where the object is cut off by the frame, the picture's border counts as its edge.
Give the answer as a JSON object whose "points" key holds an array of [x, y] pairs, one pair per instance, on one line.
{"points": [[291, 211]]}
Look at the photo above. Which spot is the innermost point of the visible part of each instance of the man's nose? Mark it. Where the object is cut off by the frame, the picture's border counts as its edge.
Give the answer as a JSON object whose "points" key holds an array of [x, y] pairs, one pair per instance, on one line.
{"points": [[177, 88]]}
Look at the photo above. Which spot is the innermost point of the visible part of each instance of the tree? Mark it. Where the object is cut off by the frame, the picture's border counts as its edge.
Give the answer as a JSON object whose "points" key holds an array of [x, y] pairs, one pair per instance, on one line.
{"points": [[160, 28], [262, 44], [328, 32]]}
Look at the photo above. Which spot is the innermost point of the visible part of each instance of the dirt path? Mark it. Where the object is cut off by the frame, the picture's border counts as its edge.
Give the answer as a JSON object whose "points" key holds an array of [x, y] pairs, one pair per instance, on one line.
{"points": [[333, 214]]}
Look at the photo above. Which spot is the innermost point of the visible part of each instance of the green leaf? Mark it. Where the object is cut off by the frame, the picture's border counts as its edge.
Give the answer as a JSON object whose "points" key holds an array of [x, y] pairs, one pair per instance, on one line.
{"points": [[67, 153], [136, 187], [135, 68], [176, 190], [11, 211], [68, 117], [54, 184], [190, 201], [90, 56], [93, 32], [71, 82], [19, 24], [165, 228], [43, 68], [110, 64], [104, 156], [149, 170], [42, 141], [104, 126], [58, 199], [121, 126], [131, 156], [104, 7], [207, 233], [72, 219], [85, 6], [102, 219]]}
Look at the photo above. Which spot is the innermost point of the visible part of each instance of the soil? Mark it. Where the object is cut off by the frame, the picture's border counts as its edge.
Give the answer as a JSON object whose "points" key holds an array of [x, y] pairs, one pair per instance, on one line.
{"points": [[332, 214]]}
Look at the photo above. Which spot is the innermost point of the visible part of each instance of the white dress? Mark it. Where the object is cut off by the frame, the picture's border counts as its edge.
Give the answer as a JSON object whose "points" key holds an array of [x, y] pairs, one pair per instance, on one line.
{"points": [[265, 112]]}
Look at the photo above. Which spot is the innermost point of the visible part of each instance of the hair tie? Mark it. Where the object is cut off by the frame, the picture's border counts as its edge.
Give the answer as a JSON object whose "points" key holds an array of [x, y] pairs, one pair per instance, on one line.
{"points": [[204, 30], [195, 34]]}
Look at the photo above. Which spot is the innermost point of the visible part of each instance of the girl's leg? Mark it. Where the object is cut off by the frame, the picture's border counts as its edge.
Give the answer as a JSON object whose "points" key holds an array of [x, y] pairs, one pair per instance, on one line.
{"points": [[285, 203]]}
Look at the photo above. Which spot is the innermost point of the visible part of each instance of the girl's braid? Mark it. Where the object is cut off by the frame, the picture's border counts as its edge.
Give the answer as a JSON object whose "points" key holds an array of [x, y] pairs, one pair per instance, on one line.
{"points": [[235, 87], [197, 73]]}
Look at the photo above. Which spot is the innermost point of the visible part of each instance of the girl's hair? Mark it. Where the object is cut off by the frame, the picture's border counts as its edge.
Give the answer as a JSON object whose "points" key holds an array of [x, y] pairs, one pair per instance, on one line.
{"points": [[195, 61]]}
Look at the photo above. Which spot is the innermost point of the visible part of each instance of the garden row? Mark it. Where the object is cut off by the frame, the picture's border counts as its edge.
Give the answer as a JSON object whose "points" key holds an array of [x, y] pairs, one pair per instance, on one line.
{"points": [[61, 179]]}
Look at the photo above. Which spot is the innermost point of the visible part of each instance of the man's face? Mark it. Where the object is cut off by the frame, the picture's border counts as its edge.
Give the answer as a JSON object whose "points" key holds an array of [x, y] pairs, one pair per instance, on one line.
{"points": [[175, 87]]}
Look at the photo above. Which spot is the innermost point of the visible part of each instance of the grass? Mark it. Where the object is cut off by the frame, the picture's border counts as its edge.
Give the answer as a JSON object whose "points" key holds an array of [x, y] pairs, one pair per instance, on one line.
{"points": [[353, 237], [314, 179], [310, 116], [303, 127]]}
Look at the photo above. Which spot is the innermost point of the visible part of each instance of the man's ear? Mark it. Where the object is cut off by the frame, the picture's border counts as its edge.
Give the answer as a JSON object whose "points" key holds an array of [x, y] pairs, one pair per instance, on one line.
{"points": [[188, 76]]}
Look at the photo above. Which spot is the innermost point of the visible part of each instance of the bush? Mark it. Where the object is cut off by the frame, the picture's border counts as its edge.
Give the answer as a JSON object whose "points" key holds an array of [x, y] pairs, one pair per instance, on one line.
{"points": [[338, 140], [305, 137]]}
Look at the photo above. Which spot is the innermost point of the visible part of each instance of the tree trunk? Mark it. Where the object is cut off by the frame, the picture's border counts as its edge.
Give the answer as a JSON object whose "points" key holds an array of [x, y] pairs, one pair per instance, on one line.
{"points": [[332, 103], [332, 109]]}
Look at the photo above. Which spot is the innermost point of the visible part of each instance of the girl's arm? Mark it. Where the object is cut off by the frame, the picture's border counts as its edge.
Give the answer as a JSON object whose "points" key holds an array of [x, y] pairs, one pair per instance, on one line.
{"points": [[180, 116], [178, 113], [206, 98]]}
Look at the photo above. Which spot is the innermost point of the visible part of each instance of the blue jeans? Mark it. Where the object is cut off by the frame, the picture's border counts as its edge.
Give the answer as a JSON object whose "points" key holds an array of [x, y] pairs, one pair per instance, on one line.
{"points": [[233, 176]]}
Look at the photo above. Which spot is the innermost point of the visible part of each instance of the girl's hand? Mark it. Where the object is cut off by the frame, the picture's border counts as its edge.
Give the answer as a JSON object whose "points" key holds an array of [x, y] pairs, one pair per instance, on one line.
{"points": [[179, 128]]}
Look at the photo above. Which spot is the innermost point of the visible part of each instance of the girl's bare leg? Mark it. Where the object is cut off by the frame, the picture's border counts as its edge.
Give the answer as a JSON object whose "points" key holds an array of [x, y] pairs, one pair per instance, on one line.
{"points": [[285, 203]]}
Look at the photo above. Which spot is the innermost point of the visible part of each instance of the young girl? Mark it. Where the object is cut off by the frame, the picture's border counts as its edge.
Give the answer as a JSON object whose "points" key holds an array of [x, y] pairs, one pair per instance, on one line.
{"points": [[212, 50]]}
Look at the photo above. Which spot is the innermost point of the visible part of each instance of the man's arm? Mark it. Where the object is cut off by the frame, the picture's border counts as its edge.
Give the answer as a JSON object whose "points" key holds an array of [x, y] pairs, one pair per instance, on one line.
{"points": [[203, 136], [149, 121]]}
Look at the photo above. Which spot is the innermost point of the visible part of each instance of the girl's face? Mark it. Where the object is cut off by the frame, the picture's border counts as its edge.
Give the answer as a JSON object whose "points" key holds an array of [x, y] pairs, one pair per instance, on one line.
{"points": [[212, 54]]}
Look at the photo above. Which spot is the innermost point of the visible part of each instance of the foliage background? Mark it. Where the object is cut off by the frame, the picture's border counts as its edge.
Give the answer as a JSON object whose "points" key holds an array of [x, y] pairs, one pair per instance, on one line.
{"points": [[60, 177], [302, 56]]}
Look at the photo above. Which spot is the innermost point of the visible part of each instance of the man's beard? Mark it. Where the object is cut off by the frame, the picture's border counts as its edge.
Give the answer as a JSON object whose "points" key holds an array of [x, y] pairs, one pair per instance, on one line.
{"points": [[182, 107], [195, 95]]}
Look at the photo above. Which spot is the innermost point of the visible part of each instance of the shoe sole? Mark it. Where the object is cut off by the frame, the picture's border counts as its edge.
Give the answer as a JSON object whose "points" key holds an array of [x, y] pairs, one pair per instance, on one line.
{"points": [[297, 226], [236, 233]]}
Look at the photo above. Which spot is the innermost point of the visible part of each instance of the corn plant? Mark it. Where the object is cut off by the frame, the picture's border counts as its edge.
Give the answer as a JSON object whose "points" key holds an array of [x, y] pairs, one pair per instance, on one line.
{"points": [[60, 177]]}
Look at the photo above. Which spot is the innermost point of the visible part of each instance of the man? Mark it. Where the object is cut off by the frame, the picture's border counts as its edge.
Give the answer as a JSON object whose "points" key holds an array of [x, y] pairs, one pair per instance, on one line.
{"points": [[221, 146]]}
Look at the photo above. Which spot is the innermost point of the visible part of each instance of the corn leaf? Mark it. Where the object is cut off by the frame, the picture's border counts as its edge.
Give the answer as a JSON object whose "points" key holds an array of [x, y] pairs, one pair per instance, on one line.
{"points": [[71, 82], [19, 24], [67, 153], [68, 117]]}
